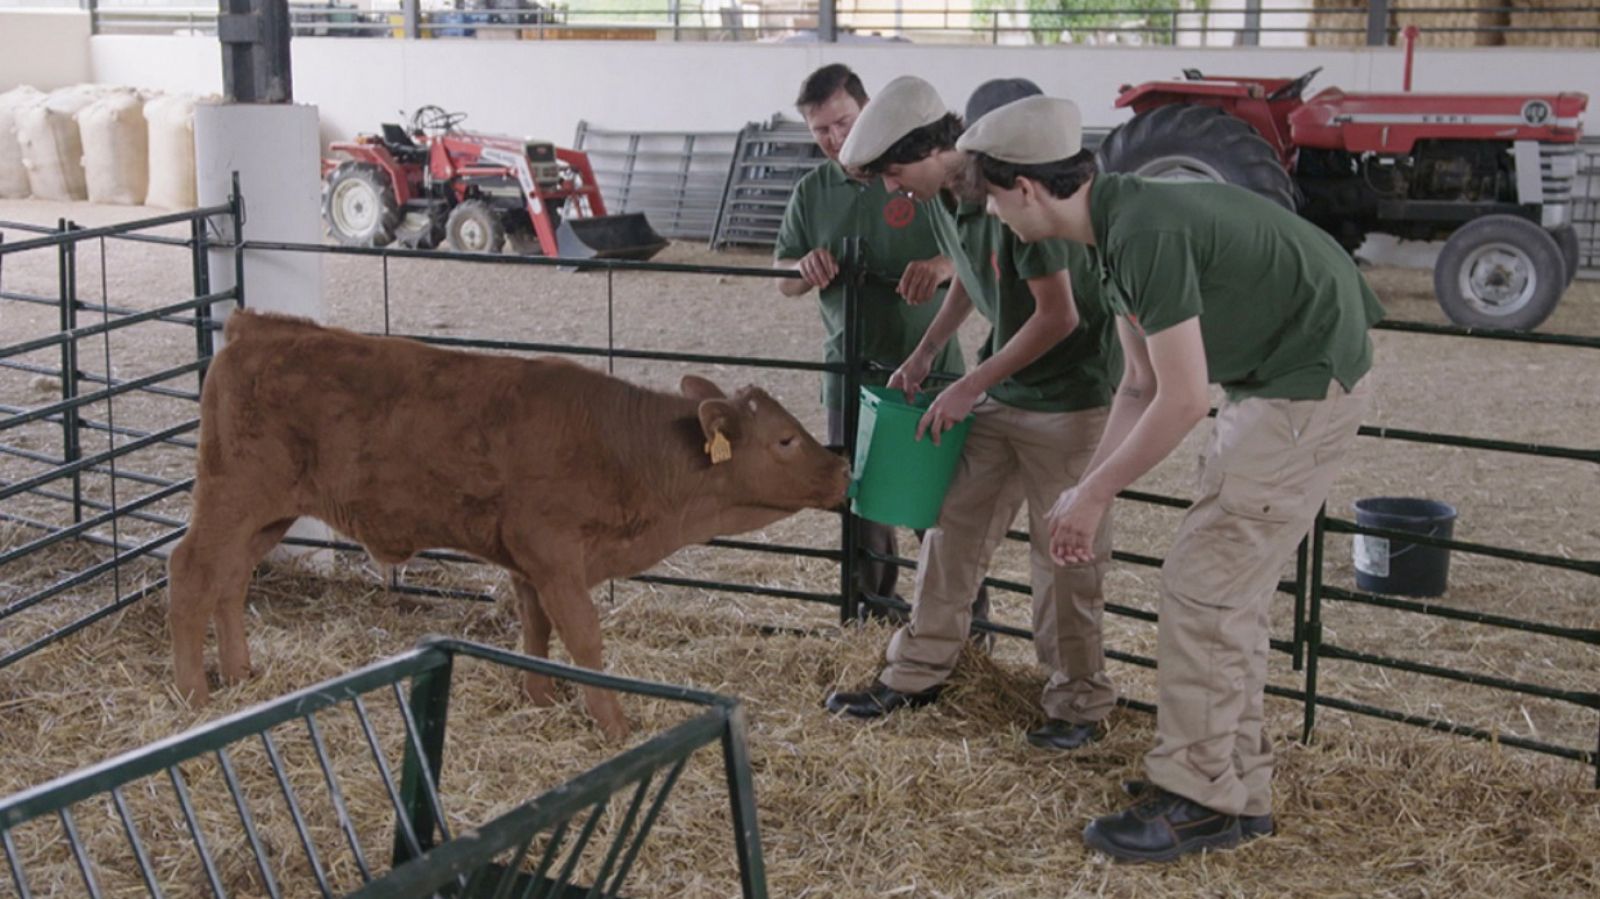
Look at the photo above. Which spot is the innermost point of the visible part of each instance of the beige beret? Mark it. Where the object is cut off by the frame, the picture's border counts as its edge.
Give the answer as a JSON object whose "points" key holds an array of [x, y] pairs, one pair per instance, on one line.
{"points": [[904, 105], [1030, 131]]}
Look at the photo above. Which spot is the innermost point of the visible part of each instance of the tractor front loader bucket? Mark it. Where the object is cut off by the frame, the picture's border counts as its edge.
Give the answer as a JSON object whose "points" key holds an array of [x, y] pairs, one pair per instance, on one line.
{"points": [[627, 236]]}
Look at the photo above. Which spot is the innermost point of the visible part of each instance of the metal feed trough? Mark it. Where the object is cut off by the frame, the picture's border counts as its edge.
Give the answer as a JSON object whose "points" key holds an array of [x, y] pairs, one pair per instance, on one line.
{"points": [[98, 822]]}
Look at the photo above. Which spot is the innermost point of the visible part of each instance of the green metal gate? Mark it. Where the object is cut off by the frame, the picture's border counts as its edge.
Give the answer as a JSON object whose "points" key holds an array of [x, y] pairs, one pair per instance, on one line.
{"points": [[539, 848]]}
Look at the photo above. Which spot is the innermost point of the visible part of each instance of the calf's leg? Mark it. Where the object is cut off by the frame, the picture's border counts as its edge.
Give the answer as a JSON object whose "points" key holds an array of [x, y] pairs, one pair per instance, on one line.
{"points": [[535, 641], [572, 612], [233, 652]]}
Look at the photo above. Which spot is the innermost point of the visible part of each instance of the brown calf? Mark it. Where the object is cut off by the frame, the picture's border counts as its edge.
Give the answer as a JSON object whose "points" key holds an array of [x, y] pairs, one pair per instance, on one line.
{"points": [[562, 475]]}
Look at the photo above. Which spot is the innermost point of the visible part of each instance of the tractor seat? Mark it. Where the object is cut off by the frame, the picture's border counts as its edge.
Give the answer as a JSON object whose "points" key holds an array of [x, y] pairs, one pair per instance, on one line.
{"points": [[400, 144]]}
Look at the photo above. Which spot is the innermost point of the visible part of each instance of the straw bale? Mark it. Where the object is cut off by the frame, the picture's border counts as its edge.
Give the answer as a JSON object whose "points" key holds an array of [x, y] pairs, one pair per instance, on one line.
{"points": [[1425, 14], [1329, 14], [1538, 14]]}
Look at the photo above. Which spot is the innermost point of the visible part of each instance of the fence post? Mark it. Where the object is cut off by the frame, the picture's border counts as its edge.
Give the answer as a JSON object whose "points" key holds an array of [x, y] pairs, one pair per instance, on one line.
{"points": [[236, 213], [67, 284], [850, 264], [828, 21], [1313, 626], [410, 12], [1301, 572], [1377, 23], [742, 794], [199, 245], [430, 706], [1250, 36]]}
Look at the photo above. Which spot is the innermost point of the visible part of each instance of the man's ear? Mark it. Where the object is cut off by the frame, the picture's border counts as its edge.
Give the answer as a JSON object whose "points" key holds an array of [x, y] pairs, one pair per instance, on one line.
{"points": [[1030, 189], [697, 388]]}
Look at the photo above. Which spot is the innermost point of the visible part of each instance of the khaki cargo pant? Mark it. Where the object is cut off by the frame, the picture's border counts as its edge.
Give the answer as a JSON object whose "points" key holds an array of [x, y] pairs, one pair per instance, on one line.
{"points": [[1264, 475], [1010, 455]]}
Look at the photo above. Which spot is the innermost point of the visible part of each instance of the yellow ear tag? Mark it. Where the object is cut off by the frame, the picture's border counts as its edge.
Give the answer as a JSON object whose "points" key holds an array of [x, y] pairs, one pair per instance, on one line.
{"points": [[719, 449]]}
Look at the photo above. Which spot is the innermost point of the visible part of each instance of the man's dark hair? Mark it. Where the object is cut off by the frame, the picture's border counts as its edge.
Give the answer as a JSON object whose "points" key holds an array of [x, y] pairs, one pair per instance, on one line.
{"points": [[827, 81], [918, 144], [1062, 179]]}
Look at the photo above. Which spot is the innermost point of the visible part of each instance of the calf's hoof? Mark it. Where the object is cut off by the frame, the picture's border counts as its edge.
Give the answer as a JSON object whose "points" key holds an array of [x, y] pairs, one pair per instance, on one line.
{"points": [[540, 690], [193, 691], [615, 730]]}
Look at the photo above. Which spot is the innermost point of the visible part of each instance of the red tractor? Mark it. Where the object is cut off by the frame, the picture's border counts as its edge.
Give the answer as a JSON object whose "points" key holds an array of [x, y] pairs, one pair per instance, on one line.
{"points": [[1490, 174], [433, 185]]}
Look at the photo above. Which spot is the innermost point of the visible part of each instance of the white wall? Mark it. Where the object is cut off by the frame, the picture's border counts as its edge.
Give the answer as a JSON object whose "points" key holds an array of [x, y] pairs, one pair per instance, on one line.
{"points": [[45, 48], [542, 89]]}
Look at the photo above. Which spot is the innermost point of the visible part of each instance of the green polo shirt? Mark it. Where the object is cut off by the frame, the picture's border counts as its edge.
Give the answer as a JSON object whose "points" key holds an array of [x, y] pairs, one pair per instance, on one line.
{"points": [[994, 265], [1283, 310], [827, 207]]}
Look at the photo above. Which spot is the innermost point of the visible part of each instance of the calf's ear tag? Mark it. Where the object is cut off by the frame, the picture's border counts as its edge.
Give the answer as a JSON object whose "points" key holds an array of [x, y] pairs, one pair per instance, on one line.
{"points": [[719, 449]]}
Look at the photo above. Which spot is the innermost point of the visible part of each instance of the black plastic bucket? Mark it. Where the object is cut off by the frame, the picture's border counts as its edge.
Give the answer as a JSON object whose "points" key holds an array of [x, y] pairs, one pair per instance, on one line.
{"points": [[1396, 567]]}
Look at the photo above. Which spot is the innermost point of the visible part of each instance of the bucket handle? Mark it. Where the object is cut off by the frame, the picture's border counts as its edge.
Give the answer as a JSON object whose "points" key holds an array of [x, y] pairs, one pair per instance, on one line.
{"points": [[1433, 532]]}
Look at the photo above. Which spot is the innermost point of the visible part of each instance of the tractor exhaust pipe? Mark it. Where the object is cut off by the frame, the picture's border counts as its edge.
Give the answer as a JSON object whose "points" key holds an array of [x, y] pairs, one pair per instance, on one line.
{"points": [[1411, 33]]}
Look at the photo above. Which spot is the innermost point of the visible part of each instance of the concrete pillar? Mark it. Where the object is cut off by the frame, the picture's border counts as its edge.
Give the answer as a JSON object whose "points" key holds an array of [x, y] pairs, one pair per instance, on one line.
{"points": [[276, 151]]}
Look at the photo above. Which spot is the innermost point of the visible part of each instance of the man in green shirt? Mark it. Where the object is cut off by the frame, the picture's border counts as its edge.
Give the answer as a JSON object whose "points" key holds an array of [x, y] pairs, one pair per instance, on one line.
{"points": [[902, 291], [1211, 284], [1039, 398]]}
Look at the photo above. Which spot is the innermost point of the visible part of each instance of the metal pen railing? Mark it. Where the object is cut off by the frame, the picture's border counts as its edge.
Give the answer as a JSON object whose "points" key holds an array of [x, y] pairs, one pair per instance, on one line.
{"points": [[321, 834], [1311, 595]]}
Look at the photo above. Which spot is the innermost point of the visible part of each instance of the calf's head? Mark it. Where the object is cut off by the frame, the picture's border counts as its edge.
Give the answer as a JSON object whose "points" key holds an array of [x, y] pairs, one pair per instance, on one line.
{"points": [[770, 458]]}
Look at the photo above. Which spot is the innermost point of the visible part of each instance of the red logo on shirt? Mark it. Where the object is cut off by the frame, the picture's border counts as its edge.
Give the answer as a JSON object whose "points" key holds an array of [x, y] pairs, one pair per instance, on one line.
{"points": [[994, 263], [899, 212], [1134, 320]]}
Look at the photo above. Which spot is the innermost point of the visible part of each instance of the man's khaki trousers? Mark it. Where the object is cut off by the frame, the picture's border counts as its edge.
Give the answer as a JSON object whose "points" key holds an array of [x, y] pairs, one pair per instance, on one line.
{"points": [[1264, 475], [1012, 455]]}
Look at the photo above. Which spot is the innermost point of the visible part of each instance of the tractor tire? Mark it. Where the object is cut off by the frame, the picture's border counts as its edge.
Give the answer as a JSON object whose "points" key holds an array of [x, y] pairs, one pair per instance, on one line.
{"points": [[358, 205], [1567, 239], [475, 227], [421, 228], [1500, 271], [1197, 143]]}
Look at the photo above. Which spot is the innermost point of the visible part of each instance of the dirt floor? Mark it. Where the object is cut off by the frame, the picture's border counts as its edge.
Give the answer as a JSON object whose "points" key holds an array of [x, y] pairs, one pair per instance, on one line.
{"points": [[946, 802]]}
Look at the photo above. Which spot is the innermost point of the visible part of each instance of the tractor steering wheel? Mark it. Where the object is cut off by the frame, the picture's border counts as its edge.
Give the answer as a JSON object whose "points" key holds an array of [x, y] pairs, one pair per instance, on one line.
{"points": [[1295, 88], [435, 119]]}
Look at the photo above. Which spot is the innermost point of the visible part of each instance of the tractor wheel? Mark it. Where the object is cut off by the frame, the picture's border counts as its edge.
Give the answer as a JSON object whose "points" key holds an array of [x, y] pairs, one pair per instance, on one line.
{"points": [[1197, 143], [421, 228], [475, 227], [358, 205], [1567, 239], [1500, 271]]}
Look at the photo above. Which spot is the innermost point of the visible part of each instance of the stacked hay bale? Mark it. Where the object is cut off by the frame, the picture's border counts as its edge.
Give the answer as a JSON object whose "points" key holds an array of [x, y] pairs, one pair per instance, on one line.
{"points": [[1474, 17], [1542, 14], [1331, 14], [13, 174], [116, 158], [103, 144], [52, 148], [170, 121]]}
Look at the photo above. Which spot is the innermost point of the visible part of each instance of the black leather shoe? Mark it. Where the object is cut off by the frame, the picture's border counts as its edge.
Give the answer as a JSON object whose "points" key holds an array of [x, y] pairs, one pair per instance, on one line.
{"points": [[1064, 735], [1250, 826], [1162, 827], [878, 700]]}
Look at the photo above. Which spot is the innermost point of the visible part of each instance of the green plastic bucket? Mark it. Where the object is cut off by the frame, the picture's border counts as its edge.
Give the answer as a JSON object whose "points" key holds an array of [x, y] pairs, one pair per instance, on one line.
{"points": [[899, 479]]}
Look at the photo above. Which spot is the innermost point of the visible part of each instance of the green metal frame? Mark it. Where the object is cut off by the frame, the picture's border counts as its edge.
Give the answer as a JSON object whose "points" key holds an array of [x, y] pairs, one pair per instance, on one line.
{"points": [[426, 860]]}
